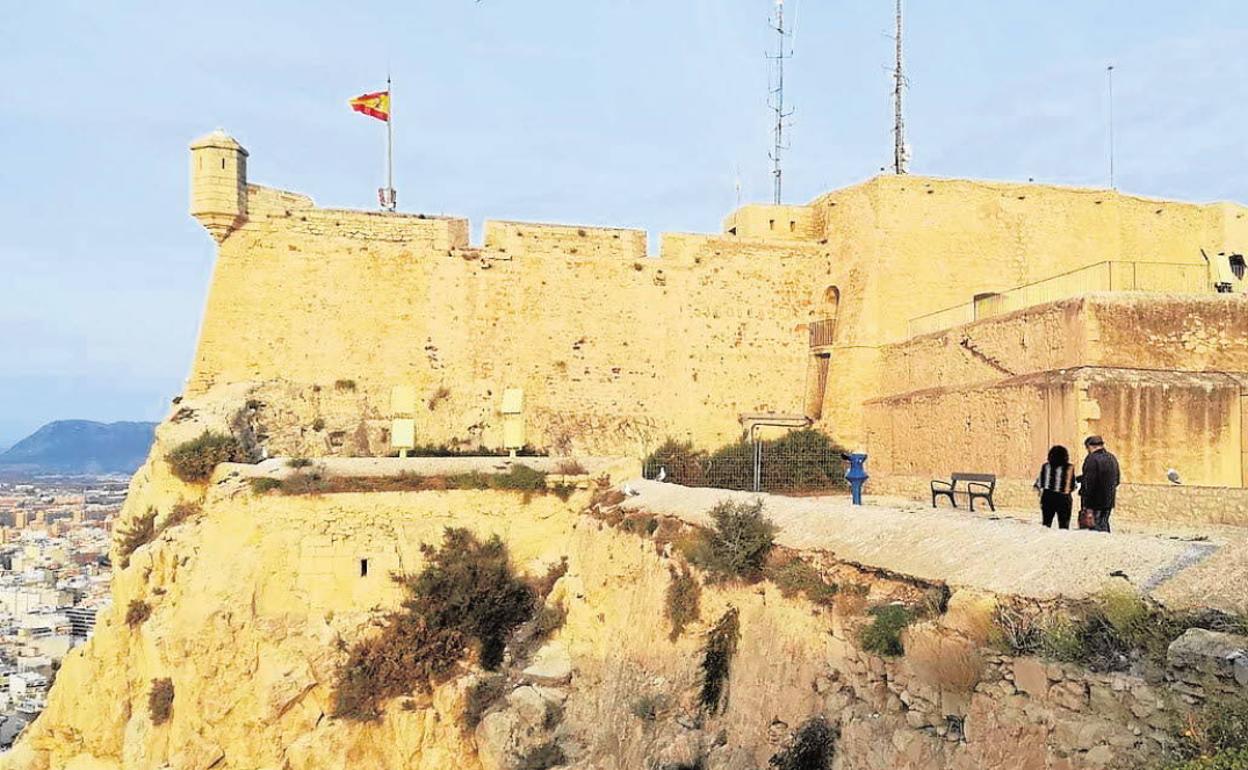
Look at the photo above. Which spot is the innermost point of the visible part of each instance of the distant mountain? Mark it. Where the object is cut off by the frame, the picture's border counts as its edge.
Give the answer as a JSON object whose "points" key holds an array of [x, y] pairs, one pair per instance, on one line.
{"points": [[81, 447]]}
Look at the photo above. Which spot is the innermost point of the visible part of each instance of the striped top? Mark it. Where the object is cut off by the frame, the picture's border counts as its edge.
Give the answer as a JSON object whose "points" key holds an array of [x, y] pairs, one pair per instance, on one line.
{"points": [[1060, 479]]}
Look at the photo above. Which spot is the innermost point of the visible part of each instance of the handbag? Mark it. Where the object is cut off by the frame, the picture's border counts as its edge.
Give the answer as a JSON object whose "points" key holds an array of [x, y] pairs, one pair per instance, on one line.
{"points": [[1087, 518]]}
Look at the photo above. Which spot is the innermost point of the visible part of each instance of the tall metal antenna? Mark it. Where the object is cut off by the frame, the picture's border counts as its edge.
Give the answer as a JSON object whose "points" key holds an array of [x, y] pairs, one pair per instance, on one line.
{"points": [[1109, 72], [776, 100], [901, 158]]}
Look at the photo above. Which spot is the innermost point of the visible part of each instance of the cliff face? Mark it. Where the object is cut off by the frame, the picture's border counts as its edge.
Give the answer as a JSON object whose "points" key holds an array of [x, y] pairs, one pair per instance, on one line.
{"points": [[254, 601]]}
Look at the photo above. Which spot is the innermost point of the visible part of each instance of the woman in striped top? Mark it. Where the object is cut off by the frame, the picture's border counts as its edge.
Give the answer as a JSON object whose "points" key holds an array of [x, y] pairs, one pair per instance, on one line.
{"points": [[1056, 484]]}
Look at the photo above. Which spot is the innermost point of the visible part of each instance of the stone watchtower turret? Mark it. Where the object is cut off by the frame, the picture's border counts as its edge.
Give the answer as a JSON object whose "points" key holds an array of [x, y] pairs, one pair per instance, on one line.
{"points": [[219, 183]]}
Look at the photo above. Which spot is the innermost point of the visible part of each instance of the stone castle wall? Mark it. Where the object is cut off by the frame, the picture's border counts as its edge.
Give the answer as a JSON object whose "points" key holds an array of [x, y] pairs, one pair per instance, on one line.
{"points": [[614, 350], [617, 349]]}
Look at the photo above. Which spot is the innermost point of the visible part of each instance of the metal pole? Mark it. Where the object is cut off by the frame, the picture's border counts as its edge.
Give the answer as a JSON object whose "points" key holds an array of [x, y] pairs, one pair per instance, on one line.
{"points": [[390, 196]]}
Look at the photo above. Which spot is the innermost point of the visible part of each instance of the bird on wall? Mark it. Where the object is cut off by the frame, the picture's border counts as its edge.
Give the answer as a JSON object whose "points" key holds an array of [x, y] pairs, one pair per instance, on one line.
{"points": [[1173, 475], [662, 473]]}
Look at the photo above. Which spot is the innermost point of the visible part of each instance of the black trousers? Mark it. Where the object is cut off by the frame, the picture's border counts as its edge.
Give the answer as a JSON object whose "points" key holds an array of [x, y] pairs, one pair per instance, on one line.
{"points": [[1055, 504]]}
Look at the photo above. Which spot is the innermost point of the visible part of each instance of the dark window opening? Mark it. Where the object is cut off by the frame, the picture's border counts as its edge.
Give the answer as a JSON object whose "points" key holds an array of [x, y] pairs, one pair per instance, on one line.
{"points": [[363, 567], [792, 226], [223, 164], [1237, 266], [771, 224]]}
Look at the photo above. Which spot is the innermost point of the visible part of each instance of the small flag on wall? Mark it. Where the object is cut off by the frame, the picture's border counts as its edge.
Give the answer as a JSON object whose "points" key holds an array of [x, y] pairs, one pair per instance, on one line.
{"points": [[375, 105]]}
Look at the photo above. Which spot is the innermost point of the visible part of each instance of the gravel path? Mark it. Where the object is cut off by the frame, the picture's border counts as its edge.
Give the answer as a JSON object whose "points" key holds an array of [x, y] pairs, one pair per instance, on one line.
{"points": [[994, 553]]}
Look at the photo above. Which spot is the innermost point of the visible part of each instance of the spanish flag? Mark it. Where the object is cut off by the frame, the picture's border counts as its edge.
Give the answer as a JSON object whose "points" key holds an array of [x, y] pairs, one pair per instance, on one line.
{"points": [[375, 105]]}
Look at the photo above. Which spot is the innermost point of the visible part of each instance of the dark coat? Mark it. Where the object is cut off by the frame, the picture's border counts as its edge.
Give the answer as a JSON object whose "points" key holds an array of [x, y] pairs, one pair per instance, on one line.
{"points": [[1099, 482]]}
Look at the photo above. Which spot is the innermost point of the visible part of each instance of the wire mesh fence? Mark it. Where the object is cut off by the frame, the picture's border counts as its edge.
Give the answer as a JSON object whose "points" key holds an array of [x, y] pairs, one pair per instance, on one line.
{"points": [[803, 462]]}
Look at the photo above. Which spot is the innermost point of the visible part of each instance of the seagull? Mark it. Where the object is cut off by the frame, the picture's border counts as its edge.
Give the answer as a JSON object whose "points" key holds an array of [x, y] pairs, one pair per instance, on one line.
{"points": [[626, 489], [1173, 475], [662, 473]]}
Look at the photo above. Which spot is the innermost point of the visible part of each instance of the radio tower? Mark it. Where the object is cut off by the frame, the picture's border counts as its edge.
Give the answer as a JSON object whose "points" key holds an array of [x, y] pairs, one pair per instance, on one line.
{"points": [[776, 100], [900, 152]]}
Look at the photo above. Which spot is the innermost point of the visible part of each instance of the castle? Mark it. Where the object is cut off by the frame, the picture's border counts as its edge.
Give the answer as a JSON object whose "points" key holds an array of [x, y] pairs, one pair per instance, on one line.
{"points": [[936, 324]]}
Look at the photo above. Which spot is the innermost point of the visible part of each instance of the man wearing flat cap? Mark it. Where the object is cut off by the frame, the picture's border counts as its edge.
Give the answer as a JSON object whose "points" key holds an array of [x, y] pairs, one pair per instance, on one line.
{"points": [[1098, 485]]}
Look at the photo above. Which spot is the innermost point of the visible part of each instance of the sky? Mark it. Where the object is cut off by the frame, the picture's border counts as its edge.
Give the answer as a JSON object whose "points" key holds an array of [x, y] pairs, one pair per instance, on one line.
{"points": [[636, 113]]}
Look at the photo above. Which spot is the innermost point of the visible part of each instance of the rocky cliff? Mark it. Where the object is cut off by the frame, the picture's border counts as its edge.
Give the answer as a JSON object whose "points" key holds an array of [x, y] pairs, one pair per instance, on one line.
{"points": [[229, 630]]}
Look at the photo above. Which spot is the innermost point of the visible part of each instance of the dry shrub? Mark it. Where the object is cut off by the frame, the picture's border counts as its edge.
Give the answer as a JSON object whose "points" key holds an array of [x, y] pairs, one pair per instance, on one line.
{"points": [[193, 461], [648, 708], [466, 599], [570, 467], [181, 513], [139, 533], [682, 604], [942, 660], [812, 747], [543, 757], [973, 615], [137, 612], [797, 577], [480, 696], [160, 701], [344, 385], [717, 655], [850, 600]]}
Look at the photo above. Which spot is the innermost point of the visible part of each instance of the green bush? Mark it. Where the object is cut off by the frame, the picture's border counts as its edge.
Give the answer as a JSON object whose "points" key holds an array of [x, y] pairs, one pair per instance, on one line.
{"points": [[731, 467], [683, 601], [299, 462], [193, 461], [740, 542], [466, 597], [1218, 728], [883, 634], [812, 747], [137, 612], [1230, 759], [800, 461], [262, 484], [717, 654], [160, 701], [138, 534], [683, 463]]}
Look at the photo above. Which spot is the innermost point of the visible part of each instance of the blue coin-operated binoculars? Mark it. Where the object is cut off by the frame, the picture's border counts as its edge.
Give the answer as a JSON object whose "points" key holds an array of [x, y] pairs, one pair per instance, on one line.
{"points": [[856, 474]]}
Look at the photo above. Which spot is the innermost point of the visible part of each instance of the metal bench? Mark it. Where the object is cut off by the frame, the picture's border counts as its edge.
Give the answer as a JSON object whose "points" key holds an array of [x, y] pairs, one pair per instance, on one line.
{"points": [[974, 485]]}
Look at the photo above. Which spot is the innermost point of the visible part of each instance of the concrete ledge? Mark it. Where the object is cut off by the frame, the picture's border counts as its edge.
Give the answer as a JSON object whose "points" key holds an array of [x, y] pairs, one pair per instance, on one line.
{"points": [[999, 555]]}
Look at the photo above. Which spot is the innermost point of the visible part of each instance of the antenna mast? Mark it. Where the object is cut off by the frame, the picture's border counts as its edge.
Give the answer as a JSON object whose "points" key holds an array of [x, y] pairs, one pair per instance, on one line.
{"points": [[1109, 72], [777, 98], [900, 159]]}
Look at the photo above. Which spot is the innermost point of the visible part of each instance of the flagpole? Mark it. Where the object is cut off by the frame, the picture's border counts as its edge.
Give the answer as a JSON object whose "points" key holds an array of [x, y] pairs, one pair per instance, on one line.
{"points": [[390, 196]]}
